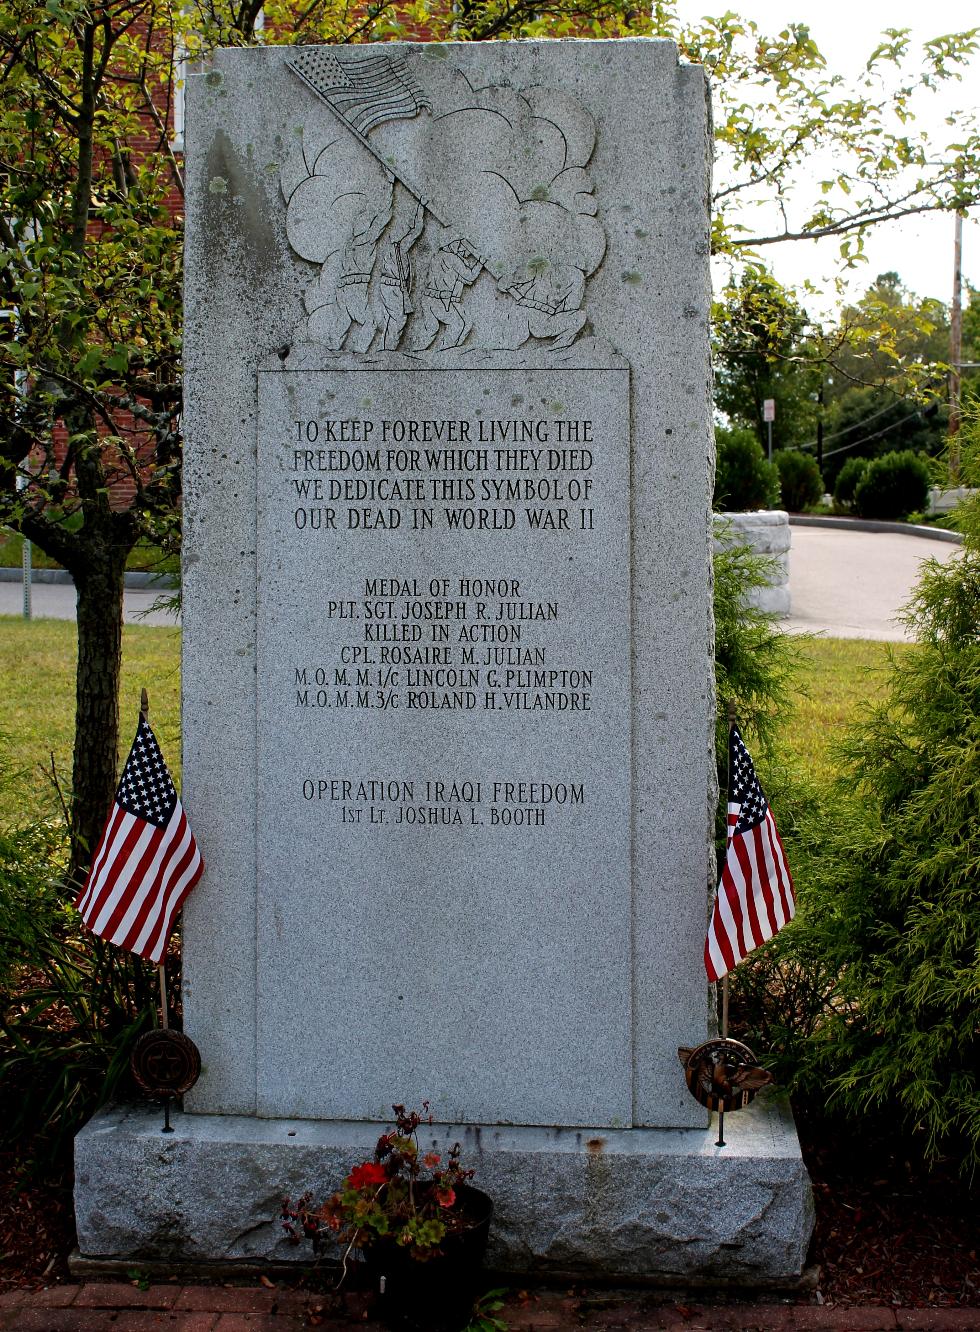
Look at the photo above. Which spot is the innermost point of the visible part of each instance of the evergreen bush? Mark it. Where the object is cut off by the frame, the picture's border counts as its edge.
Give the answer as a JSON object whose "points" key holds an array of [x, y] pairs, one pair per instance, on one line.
{"points": [[755, 662], [848, 479], [872, 995], [744, 480], [800, 482], [895, 485]]}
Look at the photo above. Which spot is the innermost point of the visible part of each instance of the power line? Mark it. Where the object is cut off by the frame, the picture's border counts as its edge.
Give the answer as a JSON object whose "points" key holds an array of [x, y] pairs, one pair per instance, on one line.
{"points": [[873, 417], [866, 439]]}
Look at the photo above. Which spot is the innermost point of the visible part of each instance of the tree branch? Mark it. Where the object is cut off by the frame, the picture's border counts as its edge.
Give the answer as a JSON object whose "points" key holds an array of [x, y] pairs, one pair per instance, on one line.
{"points": [[165, 145], [857, 222]]}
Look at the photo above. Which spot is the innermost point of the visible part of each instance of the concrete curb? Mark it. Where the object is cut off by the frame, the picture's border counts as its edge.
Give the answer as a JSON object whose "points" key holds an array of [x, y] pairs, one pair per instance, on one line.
{"points": [[875, 525], [160, 582]]}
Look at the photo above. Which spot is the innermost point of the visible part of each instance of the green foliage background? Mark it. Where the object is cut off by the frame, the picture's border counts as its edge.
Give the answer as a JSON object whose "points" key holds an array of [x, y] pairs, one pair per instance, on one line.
{"points": [[744, 479], [882, 965], [870, 999], [800, 482]]}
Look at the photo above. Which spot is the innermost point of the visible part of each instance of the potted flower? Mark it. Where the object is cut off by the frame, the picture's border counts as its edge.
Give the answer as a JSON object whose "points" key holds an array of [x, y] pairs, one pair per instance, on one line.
{"points": [[419, 1223]]}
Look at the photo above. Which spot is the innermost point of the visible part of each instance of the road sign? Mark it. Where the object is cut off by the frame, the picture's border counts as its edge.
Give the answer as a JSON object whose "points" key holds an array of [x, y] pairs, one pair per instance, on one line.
{"points": [[769, 409]]}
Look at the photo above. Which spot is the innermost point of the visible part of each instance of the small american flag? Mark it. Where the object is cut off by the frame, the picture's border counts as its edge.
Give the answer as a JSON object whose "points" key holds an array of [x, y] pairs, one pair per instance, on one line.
{"points": [[755, 897], [147, 861]]}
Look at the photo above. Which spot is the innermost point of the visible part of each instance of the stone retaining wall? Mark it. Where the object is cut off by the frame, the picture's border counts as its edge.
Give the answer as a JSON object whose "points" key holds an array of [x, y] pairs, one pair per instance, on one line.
{"points": [[767, 532]]}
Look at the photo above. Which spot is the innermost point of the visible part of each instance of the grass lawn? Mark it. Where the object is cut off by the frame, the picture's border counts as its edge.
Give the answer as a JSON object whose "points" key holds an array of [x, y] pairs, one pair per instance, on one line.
{"points": [[837, 676], [142, 557], [37, 704], [37, 700]]}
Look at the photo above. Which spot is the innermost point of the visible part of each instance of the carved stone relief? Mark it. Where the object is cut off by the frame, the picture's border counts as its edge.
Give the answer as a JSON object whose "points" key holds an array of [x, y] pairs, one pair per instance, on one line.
{"points": [[439, 215]]}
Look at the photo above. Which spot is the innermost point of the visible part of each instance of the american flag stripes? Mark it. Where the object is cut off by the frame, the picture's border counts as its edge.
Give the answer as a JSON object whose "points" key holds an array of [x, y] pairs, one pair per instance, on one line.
{"points": [[364, 90], [147, 861], [755, 896]]}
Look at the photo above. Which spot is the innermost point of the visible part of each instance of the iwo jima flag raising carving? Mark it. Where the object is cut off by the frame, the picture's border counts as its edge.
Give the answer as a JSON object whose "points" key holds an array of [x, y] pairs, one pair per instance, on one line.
{"points": [[755, 896], [147, 861]]}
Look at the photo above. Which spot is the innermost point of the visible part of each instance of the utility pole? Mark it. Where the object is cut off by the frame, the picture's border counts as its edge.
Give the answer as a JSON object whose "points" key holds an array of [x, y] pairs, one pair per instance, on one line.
{"points": [[820, 407], [956, 348], [956, 340]]}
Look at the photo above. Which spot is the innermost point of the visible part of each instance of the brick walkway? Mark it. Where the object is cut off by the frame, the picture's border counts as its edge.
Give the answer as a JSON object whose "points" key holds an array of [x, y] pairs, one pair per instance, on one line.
{"points": [[121, 1307]]}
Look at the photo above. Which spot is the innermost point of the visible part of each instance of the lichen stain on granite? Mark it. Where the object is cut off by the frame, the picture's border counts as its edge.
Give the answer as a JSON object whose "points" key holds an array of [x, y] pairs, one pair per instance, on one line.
{"points": [[244, 233]]}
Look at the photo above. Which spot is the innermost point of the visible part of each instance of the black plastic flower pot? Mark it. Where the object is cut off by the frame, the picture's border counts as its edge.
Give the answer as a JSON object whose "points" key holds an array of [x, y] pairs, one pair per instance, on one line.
{"points": [[436, 1295]]}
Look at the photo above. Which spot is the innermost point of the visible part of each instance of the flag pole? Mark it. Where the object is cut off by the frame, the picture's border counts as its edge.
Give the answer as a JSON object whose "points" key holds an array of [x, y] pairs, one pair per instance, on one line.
{"points": [[388, 169], [724, 1037], [161, 969], [724, 979]]}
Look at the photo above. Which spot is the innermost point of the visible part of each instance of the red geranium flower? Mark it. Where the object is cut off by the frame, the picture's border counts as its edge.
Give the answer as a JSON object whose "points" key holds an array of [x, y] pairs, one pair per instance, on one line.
{"points": [[366, 1175], [431, 1160], [446, 1197]]}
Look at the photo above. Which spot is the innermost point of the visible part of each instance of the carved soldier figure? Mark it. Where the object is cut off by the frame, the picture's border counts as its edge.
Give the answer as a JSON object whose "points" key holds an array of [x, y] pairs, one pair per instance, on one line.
{"points": [[551, 302], [451, 269], [329, 324], [395, 290]]}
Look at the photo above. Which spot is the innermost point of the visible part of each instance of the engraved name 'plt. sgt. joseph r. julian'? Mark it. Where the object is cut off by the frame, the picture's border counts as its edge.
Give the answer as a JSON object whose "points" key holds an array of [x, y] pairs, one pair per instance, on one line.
{"points": [[439, 214]]}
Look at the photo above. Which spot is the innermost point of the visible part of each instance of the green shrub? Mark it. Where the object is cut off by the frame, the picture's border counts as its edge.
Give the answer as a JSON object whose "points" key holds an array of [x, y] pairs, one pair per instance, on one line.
{"points": [[895, 485], [848, 479], [906, 911], [800, 481], [70, 1005], [744, 480], [755, 662], [883, 962]]}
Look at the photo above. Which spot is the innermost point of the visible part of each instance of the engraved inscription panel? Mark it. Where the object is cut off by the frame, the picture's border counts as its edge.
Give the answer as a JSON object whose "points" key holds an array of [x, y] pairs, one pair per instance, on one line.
{"points": [[443, 711]]}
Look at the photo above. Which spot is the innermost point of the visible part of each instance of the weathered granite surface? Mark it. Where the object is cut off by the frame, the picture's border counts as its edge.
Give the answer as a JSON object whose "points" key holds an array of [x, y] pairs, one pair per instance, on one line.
{"points": [[562, 187], [665, 1204], [486, 828]]}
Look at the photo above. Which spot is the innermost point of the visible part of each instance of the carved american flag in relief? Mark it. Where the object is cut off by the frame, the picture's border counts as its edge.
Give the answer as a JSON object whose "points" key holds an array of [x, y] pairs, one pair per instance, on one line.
{"points": [[755, 896], [147, 861], [363, 91]]}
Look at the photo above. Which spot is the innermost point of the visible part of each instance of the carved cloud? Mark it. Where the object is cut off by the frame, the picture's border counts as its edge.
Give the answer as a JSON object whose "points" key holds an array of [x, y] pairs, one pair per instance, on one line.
{"points": [[328, 179], [507, 168]]}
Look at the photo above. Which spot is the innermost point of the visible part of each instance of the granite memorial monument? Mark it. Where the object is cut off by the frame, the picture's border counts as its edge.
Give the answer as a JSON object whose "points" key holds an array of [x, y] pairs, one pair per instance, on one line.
{"points": [[447, 678]]}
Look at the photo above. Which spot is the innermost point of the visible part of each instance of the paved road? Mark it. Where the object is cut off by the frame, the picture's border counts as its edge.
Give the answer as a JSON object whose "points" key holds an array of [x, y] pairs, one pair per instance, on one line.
{"points": [[843, 585], [56, 601], [854, 584]]}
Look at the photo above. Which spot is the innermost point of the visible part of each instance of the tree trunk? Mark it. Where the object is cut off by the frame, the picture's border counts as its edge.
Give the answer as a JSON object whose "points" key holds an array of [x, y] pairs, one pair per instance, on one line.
{"points": [[99, 588]]}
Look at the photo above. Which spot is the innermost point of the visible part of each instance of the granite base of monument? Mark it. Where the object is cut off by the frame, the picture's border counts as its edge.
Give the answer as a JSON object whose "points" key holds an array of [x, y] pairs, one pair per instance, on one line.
{"points": [[661, 1205]]}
